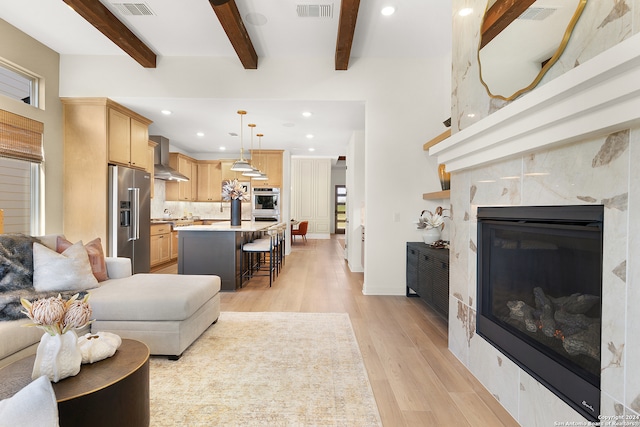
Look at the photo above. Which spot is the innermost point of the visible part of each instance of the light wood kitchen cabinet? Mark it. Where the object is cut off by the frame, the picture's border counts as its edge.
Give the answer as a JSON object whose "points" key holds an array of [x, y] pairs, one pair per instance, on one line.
{"points": [[87, 136], [160, 244], [209, 181], [270, 163], [174, 244], [228, 174], [194, 180], [182, 190], [128, 138]]}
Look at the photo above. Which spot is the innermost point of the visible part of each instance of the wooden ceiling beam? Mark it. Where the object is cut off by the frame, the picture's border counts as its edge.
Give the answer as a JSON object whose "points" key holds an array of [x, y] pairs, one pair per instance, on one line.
{"points": [[346, 30], [499, 16], [229, 17], [108, 24]]}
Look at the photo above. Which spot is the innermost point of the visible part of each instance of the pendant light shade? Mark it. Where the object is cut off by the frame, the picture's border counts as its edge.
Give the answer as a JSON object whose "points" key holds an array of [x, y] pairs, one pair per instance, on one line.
{"points": [[254, 171], [241, 165]]}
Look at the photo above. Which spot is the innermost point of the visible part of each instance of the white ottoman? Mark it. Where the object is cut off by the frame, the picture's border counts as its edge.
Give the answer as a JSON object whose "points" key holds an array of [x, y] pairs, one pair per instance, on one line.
{"points": [[165, 311]]}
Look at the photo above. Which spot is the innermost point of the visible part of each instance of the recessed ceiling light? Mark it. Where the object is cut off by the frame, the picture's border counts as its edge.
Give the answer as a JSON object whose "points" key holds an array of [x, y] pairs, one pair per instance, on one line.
{"points": [[312, 149], [256, 19], [309, 136], [166, 112], [465, 12], [471, 115], [307, 114], [388, 10], [223, 148], [200, 134]]}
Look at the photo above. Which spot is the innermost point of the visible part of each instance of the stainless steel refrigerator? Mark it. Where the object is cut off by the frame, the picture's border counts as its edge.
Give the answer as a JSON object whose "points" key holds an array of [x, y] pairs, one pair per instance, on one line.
{"points": [[129, 216]]}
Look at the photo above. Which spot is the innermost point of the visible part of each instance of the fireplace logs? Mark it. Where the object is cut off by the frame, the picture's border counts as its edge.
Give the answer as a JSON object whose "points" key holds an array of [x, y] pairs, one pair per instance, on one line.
{"points": [[563, 318]]}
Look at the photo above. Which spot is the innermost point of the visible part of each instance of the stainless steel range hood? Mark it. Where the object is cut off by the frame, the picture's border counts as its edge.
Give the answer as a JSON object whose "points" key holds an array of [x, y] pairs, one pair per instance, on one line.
{"points": [[162, 170]]}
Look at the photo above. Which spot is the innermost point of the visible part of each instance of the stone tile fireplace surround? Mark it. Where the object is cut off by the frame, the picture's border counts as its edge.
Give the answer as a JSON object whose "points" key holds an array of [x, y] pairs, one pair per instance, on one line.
{"points": [[574, 140]]}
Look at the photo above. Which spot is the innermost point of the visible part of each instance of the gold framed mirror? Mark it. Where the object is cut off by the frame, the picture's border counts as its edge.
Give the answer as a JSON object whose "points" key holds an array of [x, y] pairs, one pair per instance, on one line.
{"points": [[520, 40]]}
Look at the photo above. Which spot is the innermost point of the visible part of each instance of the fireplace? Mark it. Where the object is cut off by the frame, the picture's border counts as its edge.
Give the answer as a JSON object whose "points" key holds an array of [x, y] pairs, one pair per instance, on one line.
{"points": [[539, 295]]}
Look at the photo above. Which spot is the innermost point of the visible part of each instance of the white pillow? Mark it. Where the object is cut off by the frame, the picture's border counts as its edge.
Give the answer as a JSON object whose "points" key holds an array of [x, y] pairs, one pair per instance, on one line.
{"points": [[68, 271], [33, 406]]}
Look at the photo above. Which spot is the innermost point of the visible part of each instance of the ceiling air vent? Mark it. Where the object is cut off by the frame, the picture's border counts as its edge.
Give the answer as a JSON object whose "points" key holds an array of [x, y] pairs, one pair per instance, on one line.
{"points": [[315, 10], [133, 9], [537, 13]]}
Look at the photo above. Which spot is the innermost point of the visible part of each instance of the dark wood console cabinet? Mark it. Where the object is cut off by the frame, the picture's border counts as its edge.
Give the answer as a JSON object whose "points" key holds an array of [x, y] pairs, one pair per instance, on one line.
{"points": [[428, 275]]}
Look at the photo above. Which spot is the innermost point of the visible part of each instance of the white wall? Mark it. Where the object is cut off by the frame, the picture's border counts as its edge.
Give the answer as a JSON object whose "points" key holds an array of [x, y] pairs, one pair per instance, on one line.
{"points": [[406, 101], [355, 201]]}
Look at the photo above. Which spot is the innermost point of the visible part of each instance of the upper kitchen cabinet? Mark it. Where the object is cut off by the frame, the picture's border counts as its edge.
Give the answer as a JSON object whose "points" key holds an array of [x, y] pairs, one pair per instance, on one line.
{"points": [[128, 139], [125, 133], [182, 190], [89, 131], [270, 163], [209, 181], [228, 174]]}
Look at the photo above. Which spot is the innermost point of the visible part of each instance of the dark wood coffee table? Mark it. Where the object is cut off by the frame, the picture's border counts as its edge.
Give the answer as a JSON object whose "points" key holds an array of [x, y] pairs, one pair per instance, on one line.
{"points": [[112, 392]]}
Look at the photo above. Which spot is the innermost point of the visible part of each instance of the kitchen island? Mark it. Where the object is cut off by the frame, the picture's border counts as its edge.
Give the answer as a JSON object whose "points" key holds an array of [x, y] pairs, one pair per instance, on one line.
{"points": [[216, 249]]}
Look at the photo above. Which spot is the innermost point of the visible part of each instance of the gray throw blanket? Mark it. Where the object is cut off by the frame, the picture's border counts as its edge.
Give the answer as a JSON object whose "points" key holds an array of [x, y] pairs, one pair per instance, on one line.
{"points": [[16, 276]]}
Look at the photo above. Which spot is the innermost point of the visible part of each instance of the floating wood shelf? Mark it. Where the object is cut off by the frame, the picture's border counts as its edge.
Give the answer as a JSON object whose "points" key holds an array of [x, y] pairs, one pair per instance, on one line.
{"points": [[444, 135], [437, 195]]}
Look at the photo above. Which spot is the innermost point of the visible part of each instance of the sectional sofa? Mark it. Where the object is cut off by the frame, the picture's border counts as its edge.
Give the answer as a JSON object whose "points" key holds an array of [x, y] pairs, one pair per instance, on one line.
{"points": [[167, 312]]}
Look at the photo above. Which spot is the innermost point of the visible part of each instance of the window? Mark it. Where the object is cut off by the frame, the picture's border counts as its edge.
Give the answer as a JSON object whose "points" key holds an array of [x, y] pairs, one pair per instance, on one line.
{"points": [[18, 180], [18, 84], [20, 163]]}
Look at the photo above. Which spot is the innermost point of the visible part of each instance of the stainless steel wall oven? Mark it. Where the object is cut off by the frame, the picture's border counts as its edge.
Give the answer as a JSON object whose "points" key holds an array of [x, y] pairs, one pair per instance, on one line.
{"points": [[265, 204]]}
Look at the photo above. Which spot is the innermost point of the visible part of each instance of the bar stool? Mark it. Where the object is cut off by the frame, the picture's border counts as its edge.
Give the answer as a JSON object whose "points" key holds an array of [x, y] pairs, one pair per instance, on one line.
{"points": [[257, 252], [279, 234], [280, 230]]}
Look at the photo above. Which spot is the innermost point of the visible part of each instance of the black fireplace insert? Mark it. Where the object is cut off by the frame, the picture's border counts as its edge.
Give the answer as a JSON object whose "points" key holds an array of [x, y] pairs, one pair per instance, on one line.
{"points": [[540, 295]]}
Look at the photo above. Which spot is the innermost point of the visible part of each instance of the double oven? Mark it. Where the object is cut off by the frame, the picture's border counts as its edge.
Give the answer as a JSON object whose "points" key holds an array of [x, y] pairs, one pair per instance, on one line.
{"points": [[265, 204]]}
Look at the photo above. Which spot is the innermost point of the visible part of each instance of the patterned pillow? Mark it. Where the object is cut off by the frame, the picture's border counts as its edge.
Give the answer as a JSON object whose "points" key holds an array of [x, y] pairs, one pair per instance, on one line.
{"points": [[96, 256]]}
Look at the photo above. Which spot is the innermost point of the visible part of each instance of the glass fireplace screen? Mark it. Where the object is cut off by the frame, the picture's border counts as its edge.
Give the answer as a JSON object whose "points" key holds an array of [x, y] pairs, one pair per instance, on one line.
{"points": [[540, 294]]}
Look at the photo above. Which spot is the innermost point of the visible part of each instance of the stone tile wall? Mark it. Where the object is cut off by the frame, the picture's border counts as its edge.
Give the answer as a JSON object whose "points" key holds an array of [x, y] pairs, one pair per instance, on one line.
{"points": [[599, 171]]}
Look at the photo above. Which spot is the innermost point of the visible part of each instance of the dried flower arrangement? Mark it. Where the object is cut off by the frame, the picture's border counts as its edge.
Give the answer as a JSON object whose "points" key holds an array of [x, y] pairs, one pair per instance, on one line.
{"points": [[428, 219], [233, 190], [57, 316]]}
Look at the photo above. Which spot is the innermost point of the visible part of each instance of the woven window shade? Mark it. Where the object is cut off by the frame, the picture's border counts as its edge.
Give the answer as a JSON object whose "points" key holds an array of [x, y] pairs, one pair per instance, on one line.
{"points": [[20, 137]]}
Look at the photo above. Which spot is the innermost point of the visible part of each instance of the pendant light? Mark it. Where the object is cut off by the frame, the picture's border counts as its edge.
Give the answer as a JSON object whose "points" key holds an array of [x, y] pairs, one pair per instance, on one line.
{"points": [[263, 176], [253, 172], [241, 165]]}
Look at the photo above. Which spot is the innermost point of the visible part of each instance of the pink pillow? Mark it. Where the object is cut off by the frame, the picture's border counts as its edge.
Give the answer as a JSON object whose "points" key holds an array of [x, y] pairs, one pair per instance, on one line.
{"points": [[96, 256]]}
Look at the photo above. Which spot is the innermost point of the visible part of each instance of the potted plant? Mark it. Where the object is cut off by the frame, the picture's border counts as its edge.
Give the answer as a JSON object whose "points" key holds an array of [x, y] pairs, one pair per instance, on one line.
{"points": [[432, 224]]}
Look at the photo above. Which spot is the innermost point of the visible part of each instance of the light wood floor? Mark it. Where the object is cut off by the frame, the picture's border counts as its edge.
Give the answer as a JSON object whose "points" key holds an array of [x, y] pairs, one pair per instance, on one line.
{"points": [[415, 379]]}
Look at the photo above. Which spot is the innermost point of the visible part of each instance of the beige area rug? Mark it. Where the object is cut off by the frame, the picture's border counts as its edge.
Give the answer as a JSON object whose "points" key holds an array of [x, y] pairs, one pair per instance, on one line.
{"points": [[266, 369]]}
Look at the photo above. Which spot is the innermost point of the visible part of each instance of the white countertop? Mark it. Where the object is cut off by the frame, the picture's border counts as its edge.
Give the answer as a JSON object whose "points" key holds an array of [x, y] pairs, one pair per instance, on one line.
{"points": [[226, 226]]}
